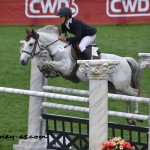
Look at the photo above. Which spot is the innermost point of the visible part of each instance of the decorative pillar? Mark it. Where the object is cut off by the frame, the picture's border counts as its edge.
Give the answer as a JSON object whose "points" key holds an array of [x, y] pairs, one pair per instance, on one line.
{"points": [[145, 63], [98, 72], [144, 60], [36, 127]]}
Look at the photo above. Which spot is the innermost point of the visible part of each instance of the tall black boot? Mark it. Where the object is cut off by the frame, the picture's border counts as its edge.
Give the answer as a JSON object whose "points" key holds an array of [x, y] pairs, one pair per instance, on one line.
{"points": [[86, 55]]}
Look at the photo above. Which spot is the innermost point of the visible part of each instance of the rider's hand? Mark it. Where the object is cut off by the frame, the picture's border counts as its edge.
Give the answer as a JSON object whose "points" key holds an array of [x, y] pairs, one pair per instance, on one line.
{"points": [[62, 37]]}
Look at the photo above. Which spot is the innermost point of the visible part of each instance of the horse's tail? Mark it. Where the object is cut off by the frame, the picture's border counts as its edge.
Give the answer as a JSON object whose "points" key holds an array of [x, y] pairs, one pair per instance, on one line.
{"points": [[136, 73]]}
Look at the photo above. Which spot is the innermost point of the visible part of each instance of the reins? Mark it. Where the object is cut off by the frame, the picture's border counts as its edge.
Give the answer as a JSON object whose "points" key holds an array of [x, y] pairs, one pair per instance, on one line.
{"points": [[51, 43]]}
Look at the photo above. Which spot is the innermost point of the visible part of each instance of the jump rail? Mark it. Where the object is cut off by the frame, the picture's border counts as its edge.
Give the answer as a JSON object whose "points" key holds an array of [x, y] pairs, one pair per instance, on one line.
{"points": [[74, 98], [43, 94], [86, 93], [86, 110]]}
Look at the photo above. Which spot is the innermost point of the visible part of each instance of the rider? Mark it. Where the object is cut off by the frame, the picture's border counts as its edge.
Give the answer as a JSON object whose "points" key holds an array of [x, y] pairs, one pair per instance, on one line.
{"points": [[83, 33]]}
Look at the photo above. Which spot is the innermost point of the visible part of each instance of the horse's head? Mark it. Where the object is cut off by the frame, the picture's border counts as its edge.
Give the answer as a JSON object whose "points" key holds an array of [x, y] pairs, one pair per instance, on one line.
{"points": [[30, 46], [36, 41]]}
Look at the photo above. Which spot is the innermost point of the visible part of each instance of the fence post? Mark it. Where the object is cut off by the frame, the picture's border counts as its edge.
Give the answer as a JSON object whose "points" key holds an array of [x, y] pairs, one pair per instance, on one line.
{"points": [[35, 128], [144, 62], [98, 72]]}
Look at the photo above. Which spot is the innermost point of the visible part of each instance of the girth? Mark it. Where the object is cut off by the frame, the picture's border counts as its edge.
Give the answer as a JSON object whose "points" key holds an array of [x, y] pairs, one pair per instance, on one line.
{"points": [[72, 77]]}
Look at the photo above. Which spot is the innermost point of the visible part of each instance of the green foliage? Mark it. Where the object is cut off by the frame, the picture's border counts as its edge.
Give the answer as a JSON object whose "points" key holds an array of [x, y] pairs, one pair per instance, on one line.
{"points": [[121, 40]]}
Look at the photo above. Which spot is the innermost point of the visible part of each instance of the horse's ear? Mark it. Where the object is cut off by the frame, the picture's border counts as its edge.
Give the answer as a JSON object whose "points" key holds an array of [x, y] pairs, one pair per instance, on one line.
{"points": [[28, 32], [35, 35]]}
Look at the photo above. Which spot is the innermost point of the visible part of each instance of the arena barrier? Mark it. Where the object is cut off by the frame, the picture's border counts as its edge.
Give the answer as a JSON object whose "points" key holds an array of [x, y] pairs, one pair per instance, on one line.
{"points": [[98, 126]]}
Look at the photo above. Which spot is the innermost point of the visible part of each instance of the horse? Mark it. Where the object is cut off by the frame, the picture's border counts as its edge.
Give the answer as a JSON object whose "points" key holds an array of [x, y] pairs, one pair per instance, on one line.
{"points": [[125, 81]]}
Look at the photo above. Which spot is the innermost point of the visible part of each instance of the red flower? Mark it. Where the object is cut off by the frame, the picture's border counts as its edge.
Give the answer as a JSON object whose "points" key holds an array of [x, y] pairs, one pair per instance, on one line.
{"points": [[126, 145], [108, 145], [117, 143]]}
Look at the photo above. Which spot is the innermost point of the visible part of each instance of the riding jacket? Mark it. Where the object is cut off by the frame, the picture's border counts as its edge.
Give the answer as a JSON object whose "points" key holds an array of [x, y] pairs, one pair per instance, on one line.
{"points": [[78, 28]]}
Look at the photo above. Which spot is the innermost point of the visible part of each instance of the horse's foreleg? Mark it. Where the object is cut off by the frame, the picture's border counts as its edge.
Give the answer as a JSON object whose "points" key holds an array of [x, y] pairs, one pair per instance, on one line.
{"points": [[57, 65], [47, 70]]}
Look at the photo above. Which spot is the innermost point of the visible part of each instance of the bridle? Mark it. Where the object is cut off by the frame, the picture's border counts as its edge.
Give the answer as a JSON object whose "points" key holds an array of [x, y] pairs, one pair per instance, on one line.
{"points": [[33, 52]]}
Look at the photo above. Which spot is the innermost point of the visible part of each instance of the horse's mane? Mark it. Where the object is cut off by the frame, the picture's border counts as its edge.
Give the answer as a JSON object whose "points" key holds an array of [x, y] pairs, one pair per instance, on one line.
{"points": [[49, 29]]}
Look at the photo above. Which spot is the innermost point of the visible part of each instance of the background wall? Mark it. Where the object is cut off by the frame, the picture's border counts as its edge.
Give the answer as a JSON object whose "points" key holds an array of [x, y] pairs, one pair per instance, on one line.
{"points": [[30, 12]]}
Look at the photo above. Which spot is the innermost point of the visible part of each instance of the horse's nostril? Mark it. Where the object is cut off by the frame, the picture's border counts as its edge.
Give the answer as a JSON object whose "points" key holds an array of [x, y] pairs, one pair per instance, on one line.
{"points": [[22, 62]]}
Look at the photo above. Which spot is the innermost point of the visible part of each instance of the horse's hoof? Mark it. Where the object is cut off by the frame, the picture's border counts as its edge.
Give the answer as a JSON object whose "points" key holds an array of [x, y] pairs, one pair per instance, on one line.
{"points": [[131, 122], [138, 113]]}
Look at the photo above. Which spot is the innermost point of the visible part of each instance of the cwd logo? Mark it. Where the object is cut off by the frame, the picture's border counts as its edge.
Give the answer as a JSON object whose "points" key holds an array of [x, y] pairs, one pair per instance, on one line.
{"points": [[48, 8], [127, 8]]}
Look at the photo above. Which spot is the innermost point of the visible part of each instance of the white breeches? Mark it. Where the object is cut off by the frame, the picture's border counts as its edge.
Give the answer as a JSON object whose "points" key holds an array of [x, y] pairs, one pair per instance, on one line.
{"points": [[87, 40]]}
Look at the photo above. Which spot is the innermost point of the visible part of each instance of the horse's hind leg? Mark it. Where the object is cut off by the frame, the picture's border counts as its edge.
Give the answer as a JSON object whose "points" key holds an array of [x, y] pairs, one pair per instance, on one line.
{"points": [[128, 110], [132, 92]]}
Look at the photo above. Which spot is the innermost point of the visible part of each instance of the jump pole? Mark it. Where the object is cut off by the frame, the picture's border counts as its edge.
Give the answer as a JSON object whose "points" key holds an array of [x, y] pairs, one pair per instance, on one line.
{"points": [[98, 72], [86, 93]]}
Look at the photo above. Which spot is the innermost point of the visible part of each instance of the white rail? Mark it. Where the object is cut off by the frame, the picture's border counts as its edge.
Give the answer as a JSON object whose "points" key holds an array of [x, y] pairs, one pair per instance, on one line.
{"points": [[86, 110], [86, 93], [65, 107], [43, 94], [66, 90]]}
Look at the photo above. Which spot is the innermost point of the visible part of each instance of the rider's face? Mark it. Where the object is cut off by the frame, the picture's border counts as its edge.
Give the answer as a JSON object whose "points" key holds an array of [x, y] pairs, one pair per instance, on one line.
{"points": [[62, 19]]}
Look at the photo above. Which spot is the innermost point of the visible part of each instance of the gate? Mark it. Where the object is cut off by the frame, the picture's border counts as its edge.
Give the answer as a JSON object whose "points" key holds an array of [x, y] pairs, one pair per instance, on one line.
{"points": [[71, 133]]}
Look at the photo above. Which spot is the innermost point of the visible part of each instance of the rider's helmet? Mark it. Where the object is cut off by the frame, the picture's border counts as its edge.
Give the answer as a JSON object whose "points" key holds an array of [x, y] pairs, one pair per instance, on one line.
{"points": [[65, 11]]}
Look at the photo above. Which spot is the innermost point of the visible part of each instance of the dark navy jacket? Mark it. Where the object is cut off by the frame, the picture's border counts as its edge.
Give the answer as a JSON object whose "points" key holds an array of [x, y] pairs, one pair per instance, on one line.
{"points": [[79, 29]]}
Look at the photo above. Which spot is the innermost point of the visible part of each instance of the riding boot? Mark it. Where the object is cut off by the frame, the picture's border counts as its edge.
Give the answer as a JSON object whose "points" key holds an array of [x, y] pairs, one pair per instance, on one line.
{"points": [[86, 55]]}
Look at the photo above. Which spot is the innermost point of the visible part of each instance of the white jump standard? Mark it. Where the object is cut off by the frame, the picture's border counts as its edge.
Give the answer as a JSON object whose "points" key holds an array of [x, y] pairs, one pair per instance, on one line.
{"points": [[98, 72], [144, 60]]}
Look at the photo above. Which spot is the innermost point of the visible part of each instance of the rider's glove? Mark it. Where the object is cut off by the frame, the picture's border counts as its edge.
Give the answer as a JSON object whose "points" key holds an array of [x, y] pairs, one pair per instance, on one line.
{"points": [[62, 38]]}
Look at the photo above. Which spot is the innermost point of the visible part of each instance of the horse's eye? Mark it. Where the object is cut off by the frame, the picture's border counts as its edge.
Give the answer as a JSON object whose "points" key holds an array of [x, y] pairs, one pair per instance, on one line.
{"points": [[31, 44]]}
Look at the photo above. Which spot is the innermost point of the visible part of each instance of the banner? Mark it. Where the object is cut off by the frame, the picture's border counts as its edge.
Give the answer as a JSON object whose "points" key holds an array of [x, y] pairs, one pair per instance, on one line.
{"points": [[43, 12]]}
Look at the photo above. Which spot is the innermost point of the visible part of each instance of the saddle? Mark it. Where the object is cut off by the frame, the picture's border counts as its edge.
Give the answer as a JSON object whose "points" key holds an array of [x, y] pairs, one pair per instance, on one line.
{"points": [[93, 50]]}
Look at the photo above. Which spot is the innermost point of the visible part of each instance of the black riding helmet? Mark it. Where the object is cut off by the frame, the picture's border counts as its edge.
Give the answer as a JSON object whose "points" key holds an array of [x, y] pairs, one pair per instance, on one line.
{"points": [[65, 11]]}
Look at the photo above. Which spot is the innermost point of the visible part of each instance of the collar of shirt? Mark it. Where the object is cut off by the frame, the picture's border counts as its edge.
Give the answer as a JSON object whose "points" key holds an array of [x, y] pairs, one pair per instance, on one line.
{"points": [[67, 23]]}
